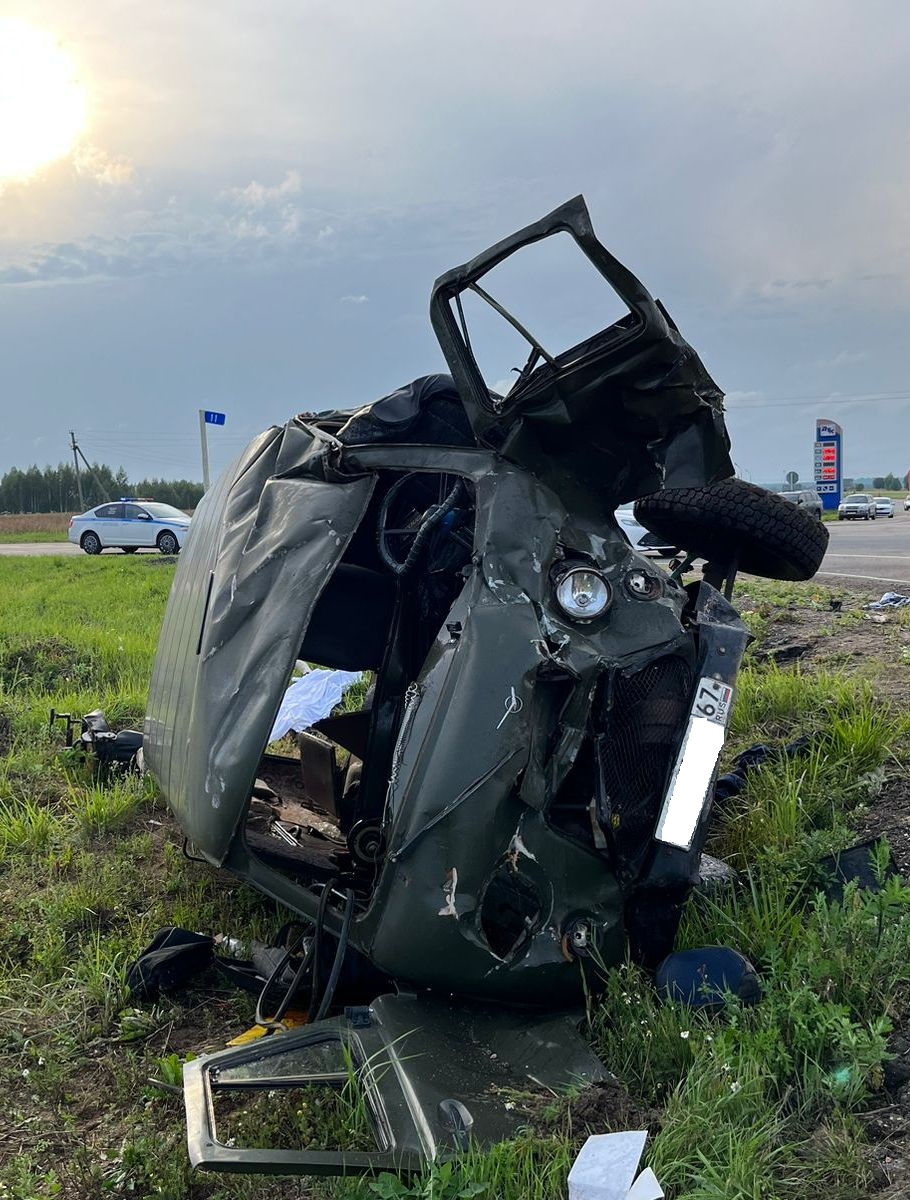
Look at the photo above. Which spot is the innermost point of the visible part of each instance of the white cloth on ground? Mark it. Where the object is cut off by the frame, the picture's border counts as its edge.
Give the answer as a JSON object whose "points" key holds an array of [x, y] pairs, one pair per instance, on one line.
{"points": [[310, 699]]}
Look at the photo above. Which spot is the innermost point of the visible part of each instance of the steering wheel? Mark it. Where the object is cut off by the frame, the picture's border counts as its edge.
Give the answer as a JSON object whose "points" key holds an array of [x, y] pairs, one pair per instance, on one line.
{"points": [[413, 507]]}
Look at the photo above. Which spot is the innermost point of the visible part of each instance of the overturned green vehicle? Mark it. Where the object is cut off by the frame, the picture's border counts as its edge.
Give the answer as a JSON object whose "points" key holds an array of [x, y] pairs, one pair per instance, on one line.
{"points": [[527, 789]]}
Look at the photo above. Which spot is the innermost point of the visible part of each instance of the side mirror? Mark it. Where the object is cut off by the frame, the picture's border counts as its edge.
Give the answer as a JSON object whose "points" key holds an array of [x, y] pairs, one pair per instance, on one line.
{"points": [[145, 517]]}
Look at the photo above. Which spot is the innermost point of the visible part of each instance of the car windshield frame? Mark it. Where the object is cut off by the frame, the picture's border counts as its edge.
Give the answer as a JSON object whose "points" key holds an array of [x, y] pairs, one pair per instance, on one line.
{"points": [[171, 513]]}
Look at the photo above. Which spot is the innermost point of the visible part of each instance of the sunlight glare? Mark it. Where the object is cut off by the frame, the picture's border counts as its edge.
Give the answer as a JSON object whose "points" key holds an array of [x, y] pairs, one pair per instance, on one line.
{"points": [[43, 106]]}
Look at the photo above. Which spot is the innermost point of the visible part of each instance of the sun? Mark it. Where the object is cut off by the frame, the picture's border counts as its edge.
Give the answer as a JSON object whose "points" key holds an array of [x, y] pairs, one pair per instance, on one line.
{"points": [[43, 106]]}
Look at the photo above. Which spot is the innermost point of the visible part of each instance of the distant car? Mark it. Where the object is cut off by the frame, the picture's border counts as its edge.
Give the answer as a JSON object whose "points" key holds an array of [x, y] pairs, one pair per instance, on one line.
{"points": [[907, 504], [807, 499], [639, 538], [884, 506], [129, 524], [856, 508]]}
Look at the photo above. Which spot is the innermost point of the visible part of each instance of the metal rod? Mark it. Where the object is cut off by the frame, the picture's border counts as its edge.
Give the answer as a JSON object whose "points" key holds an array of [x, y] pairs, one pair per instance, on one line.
{"points": [[205, 450]]}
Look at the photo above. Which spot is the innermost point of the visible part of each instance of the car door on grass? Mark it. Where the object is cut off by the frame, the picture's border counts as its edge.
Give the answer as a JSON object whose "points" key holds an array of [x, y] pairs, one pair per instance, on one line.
{"points": [[137, 527]]}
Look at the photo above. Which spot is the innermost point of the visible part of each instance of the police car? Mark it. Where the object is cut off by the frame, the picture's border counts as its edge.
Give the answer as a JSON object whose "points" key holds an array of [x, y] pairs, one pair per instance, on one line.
{"points": [[129, 524]]}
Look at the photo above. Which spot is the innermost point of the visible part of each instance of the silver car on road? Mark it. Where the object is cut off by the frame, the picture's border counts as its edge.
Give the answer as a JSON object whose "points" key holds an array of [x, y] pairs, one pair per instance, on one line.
{"points": [[129, 524]]}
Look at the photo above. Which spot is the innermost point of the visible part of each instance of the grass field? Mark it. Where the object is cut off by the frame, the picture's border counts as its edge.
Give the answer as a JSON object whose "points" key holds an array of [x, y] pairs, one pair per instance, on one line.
{"points": [[781, 1100], [34, 527]]}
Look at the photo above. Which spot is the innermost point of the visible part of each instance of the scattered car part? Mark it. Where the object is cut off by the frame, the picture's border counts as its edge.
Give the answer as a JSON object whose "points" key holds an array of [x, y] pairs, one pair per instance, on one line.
{"points": [[704, 977], [735, 522], [410, 1057], [111, 751], [857, 865]]}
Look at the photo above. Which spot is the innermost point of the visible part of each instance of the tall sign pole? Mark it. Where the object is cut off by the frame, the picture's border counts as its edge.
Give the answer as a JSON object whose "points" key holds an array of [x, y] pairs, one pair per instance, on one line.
{"points": [[205, 449], [207, 418], [829, 462]]}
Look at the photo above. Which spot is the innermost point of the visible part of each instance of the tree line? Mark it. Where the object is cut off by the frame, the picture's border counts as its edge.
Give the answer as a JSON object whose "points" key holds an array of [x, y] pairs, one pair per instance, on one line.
{"points": [[54, 489]]}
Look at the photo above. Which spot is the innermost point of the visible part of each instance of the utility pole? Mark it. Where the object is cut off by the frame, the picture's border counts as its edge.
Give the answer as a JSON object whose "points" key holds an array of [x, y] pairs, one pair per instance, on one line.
{"points": [[77, 454], [78, 476], [205, 448]]}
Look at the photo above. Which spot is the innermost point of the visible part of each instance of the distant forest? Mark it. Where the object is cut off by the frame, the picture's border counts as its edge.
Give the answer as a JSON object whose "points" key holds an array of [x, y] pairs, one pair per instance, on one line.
{"points": [[53, 489]]}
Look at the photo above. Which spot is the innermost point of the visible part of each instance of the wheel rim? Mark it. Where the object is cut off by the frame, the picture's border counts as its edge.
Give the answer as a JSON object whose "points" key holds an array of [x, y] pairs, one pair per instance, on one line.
{"points": [[168, 544], [90, 543]]}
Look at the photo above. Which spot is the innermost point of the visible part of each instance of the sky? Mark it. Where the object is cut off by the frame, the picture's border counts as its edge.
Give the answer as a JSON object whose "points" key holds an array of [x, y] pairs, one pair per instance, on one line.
{"points": [[259, 197]]}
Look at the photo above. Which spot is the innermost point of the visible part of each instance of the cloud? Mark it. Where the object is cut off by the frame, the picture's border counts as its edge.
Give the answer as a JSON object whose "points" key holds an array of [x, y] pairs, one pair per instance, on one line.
{"points": [[96, 164], [256, 197], [245, 226], [845, 358], [355, 299]]}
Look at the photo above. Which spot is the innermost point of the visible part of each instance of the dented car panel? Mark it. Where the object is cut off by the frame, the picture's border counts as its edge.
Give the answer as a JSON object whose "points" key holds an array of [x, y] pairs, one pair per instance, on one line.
{"points": [[495, 804], [433, 1075], [263, 545]]}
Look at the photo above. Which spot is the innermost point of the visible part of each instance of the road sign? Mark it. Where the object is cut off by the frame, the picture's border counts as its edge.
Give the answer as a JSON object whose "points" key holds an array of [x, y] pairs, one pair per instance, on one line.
{"points": [[829, 461], [213, 418]]}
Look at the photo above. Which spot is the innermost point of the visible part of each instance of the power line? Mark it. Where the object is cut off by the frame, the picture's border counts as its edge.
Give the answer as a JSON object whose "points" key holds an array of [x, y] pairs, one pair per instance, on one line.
{"points": [[803, 401]]}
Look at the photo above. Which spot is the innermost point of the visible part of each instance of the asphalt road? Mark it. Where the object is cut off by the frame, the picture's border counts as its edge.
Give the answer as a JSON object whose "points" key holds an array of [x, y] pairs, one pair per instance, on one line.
{"points": [[876, 551], [39, 549]]}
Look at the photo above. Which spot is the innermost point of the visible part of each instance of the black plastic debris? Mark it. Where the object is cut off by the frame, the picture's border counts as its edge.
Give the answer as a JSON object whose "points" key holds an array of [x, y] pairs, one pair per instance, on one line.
{"points": [[704, 977], [111, 750], [856, 865], [734, 781], [170, 960]]}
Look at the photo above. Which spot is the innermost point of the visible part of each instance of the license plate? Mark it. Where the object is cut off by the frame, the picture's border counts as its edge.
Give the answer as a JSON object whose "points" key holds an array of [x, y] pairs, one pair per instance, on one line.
{"points": [[693, 771], [713, 700]]}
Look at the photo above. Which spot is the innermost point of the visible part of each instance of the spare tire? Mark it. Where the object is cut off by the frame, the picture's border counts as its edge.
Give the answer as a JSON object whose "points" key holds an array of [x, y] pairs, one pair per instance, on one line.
{"points": [[734, 520]]}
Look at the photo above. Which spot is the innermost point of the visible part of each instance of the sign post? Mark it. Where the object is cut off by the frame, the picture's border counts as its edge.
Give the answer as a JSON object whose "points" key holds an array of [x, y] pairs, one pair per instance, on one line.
{"points": [[829, 462], [207, 418]]}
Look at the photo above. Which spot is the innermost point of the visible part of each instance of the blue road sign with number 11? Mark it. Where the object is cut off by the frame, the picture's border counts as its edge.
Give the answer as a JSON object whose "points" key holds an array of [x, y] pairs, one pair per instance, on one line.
{"points": [[213, 418]]}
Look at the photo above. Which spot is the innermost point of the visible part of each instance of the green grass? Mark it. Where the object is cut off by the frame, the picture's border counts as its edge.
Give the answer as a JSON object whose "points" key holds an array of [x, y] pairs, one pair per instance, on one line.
{"points": [[752, 1103], [15, 539]]}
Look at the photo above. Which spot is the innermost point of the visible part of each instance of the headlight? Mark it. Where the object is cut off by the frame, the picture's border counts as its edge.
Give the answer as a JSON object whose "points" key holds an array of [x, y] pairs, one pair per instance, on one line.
{"points": [[583, 594]]}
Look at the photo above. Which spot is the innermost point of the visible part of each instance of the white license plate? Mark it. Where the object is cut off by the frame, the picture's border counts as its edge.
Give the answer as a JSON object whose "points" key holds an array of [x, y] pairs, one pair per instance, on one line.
{"points": [[693, 771], [713, 700]]}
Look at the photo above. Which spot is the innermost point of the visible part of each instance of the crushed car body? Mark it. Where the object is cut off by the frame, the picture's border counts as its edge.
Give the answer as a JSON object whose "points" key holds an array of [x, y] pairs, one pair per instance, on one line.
{"points": [[526, 790]]}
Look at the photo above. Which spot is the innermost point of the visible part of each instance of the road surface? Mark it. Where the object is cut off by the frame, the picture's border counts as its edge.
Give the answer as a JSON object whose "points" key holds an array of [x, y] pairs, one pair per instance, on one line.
{"points": [[877, 552], [38, 549]]}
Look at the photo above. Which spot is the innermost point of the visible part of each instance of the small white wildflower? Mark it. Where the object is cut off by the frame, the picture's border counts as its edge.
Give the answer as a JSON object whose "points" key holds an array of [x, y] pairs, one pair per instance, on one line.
{"points": [[708, 1037], [735, 1086], [26, 1073], [684, 1034], [510, 1104]]}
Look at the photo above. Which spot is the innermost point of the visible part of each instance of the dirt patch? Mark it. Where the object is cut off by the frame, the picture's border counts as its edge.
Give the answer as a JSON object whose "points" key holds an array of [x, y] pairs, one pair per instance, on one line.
{"points": [[46, 664], [604, 1107], [889, 816], [607, 1107]]}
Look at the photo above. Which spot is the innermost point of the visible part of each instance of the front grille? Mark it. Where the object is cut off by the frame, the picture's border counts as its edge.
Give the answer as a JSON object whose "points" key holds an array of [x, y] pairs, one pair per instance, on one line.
{"points": [[642, 727]]}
